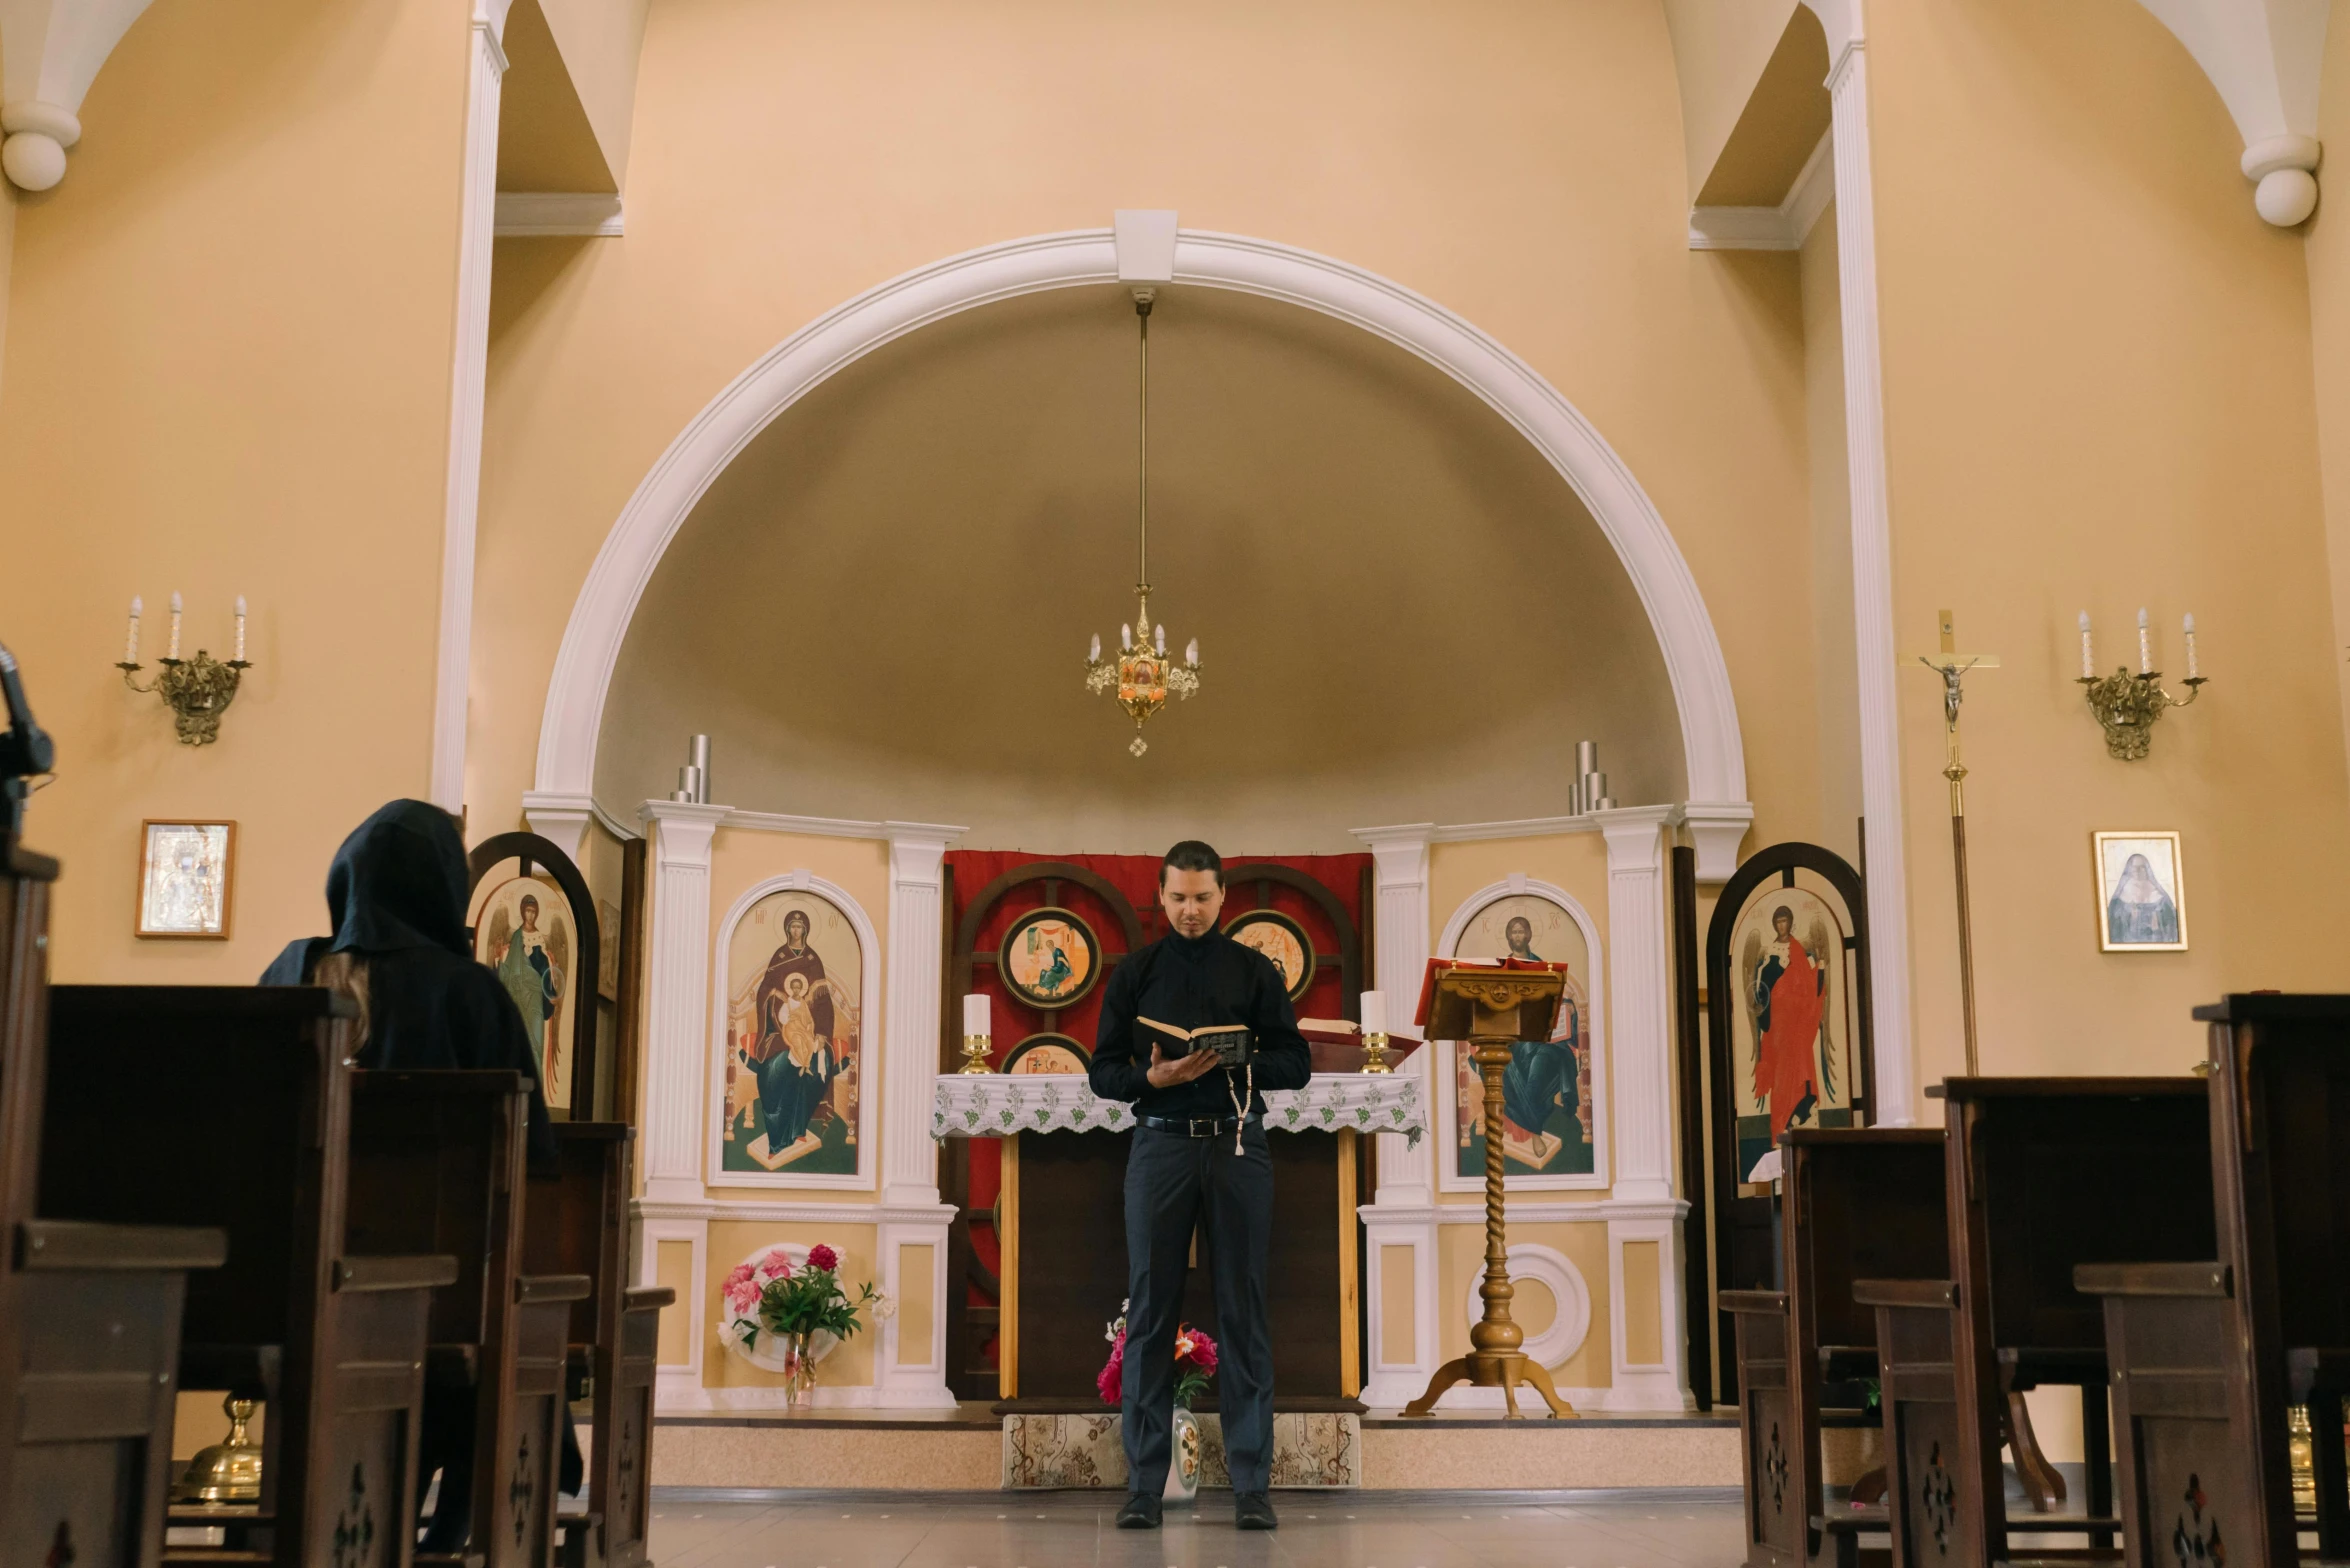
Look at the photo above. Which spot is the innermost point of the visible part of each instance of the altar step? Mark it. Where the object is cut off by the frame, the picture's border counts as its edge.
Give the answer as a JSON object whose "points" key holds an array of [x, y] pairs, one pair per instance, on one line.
{"points": [[972, 1449]]}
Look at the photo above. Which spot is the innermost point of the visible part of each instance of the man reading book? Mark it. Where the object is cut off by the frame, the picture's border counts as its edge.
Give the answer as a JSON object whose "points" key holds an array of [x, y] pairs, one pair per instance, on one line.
{"points": [[1167, 1044]]}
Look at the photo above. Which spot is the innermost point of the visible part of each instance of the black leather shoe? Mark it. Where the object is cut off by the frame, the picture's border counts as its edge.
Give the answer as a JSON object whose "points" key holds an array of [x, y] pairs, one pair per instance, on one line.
{"points": [[1140, 1513], [1253, 1511]]}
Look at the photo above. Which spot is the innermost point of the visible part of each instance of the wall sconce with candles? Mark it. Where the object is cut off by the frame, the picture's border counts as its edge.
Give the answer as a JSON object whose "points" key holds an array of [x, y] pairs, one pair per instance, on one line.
{"points": [[2127, 705], [198, 690]]}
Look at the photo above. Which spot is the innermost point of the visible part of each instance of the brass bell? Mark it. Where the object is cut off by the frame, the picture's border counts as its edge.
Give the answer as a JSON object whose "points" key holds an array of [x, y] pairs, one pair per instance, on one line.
{"points": [[230, 1470]]}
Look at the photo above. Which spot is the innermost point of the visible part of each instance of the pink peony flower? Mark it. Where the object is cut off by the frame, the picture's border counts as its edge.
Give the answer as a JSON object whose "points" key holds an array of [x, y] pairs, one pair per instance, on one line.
{"points": [[777, 1263], [1113, 1376], [742, 1298], [741, 1276], [822, 1257]]}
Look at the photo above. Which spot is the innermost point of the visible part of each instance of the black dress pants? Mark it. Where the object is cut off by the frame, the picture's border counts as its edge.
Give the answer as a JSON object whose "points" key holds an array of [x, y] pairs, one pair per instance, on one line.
{"points": [[1174, 1184]]}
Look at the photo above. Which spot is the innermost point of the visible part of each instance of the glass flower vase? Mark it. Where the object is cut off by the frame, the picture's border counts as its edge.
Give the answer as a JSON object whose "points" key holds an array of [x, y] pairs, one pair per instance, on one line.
{"points": [[1183, 1463], [799, 1373]]}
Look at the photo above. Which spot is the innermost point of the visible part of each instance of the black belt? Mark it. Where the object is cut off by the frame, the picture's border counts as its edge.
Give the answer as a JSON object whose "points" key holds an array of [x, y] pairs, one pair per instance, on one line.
{"points": [[1196, 1126]]}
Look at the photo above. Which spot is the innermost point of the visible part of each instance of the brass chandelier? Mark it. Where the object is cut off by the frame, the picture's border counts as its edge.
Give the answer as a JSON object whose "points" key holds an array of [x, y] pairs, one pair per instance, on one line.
{"points": [[1142, 677]]}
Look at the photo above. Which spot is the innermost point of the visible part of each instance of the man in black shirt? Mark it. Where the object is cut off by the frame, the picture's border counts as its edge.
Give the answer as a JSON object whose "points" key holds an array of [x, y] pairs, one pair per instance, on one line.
{"points": [[1199, 1160]]}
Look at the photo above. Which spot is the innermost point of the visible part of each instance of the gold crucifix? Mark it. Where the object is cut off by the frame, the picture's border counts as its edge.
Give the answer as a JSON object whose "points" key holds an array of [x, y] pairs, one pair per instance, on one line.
{"points": [[1953, 666]]}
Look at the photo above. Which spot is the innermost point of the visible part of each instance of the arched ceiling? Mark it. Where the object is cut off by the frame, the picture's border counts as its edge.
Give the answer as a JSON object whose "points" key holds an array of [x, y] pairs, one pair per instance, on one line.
{"points": [[880, 609]]}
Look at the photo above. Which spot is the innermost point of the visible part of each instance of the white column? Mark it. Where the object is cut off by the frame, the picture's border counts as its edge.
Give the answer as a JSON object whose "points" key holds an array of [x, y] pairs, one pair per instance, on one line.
{"points": [[1716, 828], [1647, 1385], [677, 1041], [476, 224], [1403, 1213], [1872, 588], [1639, 1001], [912, 1216]]}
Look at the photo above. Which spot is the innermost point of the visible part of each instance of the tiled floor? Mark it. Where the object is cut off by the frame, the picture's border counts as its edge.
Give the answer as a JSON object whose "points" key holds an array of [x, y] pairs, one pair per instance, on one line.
{"points": [[1318, 1530]]}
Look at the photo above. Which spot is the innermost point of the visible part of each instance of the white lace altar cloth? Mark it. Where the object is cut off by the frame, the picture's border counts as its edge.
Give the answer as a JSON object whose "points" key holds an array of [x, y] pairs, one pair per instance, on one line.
{"points": [[989, 1105]]}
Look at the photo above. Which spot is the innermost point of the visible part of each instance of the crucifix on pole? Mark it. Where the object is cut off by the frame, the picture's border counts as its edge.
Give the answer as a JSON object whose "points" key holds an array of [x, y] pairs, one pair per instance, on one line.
{"points": [[1953, 668]]}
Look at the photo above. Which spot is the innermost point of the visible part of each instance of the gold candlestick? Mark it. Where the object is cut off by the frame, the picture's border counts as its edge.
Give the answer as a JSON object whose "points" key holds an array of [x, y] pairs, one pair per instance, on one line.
{"points": [[975, 1053], [1375, 1054]]}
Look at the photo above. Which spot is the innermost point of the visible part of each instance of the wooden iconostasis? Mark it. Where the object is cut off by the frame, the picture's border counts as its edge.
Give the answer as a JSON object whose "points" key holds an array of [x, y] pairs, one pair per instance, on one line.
{"points": [[1045, 1011]]}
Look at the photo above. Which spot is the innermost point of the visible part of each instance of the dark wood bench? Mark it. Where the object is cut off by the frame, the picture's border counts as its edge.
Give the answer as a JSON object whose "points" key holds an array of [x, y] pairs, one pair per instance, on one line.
{"points": [[437, 1166], [1854, 1203], [578, 1224], [2209, 1354], [229, 1107], [2044, 1174], [89, 1314]]}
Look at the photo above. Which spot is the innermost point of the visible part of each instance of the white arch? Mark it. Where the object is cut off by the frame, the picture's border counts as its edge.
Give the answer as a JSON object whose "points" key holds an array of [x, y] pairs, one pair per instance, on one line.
{"points": [[1715, 763]]}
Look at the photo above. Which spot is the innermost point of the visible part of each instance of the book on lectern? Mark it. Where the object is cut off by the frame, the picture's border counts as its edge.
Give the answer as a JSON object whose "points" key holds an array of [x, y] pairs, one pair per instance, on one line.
{"points": [[1438, 968], [1234, 1044]]}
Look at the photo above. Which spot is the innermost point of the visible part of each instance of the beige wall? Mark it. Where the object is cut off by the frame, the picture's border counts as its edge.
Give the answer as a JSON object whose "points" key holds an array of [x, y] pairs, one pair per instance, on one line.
{"points": [[1836, 673], [227, 371], [2098, 377], [600, 41], [1516, 162], [1719, 50], [2327, 254]]}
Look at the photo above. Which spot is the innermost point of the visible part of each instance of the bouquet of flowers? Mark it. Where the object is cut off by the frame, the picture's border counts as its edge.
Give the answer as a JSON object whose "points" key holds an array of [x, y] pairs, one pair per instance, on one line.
{"points": [[1195, 1362], [770, 1296]]}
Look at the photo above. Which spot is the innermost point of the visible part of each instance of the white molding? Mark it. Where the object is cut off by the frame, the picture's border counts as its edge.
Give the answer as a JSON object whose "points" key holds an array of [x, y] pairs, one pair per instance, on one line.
{"points": [[1647, 1385], [1642, 1058], [1784, 227], [525, 214], [1555, 1211], [2267, 60], [1446, 1104], [1716, 828], [1872, 590], [910, 1059], [1557, 1273], [790, 1211], [677, 1035], [1523, 827], [1402, 1213], [1145, 237], [905, 1385], [670, 1378], [50, 52], [810, 827], [562, 820], [870, 1085], [569, 731], [468, 377]]}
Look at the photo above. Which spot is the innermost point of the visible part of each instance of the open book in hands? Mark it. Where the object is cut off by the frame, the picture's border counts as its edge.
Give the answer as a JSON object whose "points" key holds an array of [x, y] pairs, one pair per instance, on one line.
{"points": [[1234, 1045]]}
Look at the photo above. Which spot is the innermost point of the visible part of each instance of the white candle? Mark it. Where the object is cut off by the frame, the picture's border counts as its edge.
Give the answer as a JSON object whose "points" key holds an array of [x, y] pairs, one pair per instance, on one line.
{"points": [[1191, 653], [1093, 655], [240, 628], [175, 625], [975, 1014], [1374, 1012], [2088, 654], [130, 652], [2145, 644], [2192, 670], [1125, 637], [1159, 640]]}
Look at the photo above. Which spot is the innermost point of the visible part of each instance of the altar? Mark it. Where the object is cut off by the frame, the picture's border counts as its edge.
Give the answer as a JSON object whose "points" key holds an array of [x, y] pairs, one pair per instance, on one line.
{"points": [[1062, 1240]]}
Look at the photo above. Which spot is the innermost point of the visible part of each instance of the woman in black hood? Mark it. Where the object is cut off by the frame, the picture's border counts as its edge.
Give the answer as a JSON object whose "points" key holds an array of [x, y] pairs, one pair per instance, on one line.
{"points": [[397, 891]]}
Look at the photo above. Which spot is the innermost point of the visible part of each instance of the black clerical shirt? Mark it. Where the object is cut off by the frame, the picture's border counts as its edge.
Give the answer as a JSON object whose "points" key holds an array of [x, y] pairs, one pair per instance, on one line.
{"points": [[1192, 982]]}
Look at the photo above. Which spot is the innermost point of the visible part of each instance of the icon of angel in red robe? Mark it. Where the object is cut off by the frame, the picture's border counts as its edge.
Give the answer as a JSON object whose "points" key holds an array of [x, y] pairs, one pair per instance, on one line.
{"points": [[1788, 994]]}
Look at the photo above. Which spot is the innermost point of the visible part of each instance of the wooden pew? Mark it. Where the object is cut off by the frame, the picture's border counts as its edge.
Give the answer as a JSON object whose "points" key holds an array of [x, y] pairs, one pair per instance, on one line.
{"points": [[89, 1314], [578, 1224], [2208, 1354], [230, 1107], [437, 1165], [2044, 1174], [1854, 1203]]}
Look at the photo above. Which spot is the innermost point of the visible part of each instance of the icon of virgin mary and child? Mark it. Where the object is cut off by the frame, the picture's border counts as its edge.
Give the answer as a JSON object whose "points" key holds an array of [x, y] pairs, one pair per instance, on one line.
{"points": [[791, 1056]]}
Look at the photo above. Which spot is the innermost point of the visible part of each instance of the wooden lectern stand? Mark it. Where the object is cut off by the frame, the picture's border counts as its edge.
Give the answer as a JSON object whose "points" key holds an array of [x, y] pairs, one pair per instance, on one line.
{"points": [[1492, 1007]]}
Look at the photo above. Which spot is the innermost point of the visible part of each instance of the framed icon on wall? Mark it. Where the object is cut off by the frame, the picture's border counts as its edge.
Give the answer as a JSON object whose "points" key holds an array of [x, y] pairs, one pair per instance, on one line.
{"points": [[1281, 939], [1050, 958]]}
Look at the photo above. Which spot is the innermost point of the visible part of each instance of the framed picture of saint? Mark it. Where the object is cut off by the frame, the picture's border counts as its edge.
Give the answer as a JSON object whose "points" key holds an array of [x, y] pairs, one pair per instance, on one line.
{"points": [[1788, 987], [1050, 958], [535, 925], [1554, 1102], [791, 1105], [1281, 939], [2141, 893]]}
